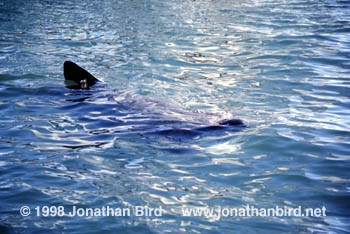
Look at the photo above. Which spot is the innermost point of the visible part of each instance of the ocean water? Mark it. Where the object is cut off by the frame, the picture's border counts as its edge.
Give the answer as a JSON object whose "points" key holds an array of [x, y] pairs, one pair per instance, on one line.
{"points": [[170, 67]]}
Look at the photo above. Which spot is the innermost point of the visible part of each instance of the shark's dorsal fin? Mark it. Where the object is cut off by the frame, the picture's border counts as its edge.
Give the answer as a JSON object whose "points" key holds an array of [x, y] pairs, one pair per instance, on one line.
{"points": [[77, 77]]}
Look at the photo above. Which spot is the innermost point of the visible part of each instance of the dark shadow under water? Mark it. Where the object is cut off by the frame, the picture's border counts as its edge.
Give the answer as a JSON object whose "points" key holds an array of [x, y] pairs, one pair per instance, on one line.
{"points": [[98, 108]]}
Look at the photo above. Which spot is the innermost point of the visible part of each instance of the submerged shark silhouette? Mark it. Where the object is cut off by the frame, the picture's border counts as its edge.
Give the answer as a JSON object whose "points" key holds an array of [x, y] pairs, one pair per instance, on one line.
{"points": [[77, 77]]}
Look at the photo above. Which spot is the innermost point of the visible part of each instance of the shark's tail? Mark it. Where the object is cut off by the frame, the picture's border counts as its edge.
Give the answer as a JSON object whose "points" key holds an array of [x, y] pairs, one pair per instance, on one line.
{"points": [[232, 122], [77, 77]]}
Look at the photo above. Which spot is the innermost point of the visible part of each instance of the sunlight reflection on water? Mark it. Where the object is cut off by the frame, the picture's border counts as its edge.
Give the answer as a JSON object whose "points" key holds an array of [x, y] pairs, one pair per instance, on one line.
{"points": [[171, 68]]}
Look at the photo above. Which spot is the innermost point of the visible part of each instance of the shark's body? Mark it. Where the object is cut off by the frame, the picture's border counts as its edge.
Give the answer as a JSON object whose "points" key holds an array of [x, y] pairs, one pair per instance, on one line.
{"points": [[77, 77]]}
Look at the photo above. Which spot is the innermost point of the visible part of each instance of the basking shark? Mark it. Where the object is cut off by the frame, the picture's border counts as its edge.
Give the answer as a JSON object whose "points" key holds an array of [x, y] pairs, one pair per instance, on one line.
{"points": [[78, 78]]}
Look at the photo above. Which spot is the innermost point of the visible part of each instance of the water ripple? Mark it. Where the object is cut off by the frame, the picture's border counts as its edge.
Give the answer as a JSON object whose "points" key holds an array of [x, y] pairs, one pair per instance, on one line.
{"points": [[173, 69]]}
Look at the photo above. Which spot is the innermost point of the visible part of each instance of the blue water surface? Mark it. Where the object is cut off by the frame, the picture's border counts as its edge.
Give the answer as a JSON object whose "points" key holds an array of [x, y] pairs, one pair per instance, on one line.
{"points": [[171, 69]]}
